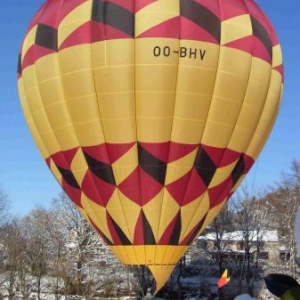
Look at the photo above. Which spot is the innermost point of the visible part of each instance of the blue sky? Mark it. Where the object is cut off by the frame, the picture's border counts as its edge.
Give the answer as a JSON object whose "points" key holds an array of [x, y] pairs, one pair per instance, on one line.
{"points": [[25, 177]]}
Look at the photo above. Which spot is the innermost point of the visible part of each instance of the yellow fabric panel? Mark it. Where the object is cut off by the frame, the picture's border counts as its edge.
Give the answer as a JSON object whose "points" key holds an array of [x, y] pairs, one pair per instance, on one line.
{"points": [[268, 116], [193, 80], [47, 68], [50, 142], [154, 130], [28, 41], [33, 99], [155, 105], [222, 174], [180, 167], [237, 64], [192, 106], [260, 72], [41, 121], [169, 209], [67, 86], [190, 113], [156, 78], [113, 53], [58, 115], [236, 28], [150, 255], [119, 130], [121, 254], [78, 84], [154, 115], [154, 14], [89, 133], [170, 250], [140, 255], [75, 59], [29, 120], [192, 213], [97, 214], [125, 165], [277, 56], [222, 115], [130, 210], [79, 166], [230, 89], [35, 105], [116, 84], [217, 134], [152, 211], [116, 106], [253, 105], [178, 254], [161, 274], [118, 79], [82, 110], [187, 78], [29, 80], [132, 253], [66, 137], [77, 17], [160, 255], [56, 95], [171, 253], [116, 210], [183, 131]]}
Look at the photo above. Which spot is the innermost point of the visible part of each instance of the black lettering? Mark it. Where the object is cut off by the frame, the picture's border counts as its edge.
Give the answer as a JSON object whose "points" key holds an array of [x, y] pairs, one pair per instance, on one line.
{"points": [[182, 51], [156, 51], [202, 53], [167, 51], [193, 53]]}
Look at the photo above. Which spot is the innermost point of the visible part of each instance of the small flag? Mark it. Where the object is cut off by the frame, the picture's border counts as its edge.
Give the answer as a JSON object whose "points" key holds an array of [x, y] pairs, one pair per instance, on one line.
{"points": [[224, 279]]}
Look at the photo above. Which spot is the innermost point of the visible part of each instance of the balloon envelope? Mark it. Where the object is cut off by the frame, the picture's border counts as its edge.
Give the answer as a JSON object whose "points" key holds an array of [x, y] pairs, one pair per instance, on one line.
{"points": [[150, 113]]}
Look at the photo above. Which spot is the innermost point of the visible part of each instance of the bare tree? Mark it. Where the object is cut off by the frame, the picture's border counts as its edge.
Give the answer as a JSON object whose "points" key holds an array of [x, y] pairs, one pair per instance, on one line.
{"points": [[286, 201], [35, 228], [220, 226], [80, 248], [249, 220], [13, 256], [4, 206]]}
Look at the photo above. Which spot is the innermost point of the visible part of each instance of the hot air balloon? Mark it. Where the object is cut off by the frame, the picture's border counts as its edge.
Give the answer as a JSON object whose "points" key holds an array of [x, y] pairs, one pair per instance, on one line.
{"points": [[150, 113]]}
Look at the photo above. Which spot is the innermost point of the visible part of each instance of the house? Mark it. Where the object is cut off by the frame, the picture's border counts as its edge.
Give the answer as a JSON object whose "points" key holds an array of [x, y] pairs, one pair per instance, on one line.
{"points": [[234, 246]]}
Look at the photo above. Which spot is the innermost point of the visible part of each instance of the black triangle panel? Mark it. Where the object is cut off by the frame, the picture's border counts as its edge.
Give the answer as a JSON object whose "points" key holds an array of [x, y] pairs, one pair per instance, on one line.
{"points": [[122, 236], [19, 66], [174, 239], [113, 15], [100, 169], [68, 177], [149, 238], [153, 166], [205, 166], [46, 36], [201, 16], [238, 170], [261, 33]]}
